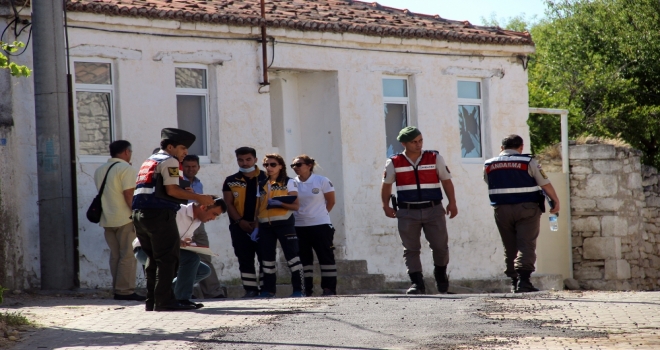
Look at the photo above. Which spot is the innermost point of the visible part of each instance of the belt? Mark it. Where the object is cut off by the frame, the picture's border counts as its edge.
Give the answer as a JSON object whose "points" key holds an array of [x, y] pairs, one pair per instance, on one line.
{"points": [[420, 205]]}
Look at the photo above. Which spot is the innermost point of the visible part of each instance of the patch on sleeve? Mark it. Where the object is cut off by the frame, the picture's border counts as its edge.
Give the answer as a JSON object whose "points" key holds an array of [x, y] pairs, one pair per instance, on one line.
{"points": [[446, 167], [174, 172], [330, 182], [543, 174]]}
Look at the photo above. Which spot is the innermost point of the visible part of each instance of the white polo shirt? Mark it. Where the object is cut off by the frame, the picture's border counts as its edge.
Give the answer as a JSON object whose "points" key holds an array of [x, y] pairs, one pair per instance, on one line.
{"points": [[312, 209], [185, 222]]}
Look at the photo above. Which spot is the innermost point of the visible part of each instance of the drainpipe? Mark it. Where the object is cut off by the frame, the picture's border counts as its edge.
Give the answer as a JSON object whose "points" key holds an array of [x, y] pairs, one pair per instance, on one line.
{"points": [[264, 44], [56, 226]]}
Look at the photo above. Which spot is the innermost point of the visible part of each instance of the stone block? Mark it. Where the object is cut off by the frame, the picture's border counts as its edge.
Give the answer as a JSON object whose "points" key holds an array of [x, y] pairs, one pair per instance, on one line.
{"points": [[610, 204], [654, 261], [571, 284], [592, 152], [634, 181], [614, 226], [576, 241], [590, 223], [653, 201], [648, 171], [583, 170], [599, 185], [607, 166], [650, 181], [600, 248], [617, 270], [648, 248], [583, 204], [589, 273]]}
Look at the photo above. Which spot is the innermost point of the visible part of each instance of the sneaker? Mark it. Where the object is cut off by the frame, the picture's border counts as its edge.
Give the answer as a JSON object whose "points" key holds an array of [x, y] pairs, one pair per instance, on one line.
{"points": [[265, 294], [297, 294], [251, 294], [134, 297], [328, 292]]}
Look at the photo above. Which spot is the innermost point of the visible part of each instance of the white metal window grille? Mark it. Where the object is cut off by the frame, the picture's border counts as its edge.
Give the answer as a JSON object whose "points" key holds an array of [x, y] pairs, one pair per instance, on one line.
{"points": [[192, 96], [94, 101], [396, 102], [470, 118]]}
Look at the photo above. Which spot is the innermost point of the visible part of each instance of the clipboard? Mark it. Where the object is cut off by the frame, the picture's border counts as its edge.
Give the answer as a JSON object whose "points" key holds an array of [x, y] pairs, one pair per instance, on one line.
{"points": [[200, 250]]}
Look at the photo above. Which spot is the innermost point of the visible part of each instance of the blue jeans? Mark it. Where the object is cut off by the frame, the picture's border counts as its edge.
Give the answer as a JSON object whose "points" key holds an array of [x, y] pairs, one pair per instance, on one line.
{"points": [[191, 270]]}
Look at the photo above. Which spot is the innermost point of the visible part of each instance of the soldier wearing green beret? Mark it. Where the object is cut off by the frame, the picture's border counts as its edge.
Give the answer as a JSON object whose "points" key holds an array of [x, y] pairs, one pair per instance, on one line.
{"points": [[420, 177], [156, 200]]}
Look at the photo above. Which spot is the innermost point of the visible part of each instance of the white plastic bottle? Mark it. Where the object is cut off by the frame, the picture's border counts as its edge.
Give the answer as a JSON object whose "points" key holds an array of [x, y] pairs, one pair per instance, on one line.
{"points": [[554, 225]]}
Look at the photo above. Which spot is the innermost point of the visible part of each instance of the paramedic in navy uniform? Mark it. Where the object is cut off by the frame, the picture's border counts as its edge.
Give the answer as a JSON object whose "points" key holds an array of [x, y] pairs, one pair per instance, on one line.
{"points": [[156, 200], [514, 183], [420, 176]]}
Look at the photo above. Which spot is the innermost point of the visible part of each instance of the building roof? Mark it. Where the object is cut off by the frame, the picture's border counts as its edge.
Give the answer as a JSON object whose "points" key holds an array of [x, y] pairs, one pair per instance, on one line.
{"points": [[338, 16]]}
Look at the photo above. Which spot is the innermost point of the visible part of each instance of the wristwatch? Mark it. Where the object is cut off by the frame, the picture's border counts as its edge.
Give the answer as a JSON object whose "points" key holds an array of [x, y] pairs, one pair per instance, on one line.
{"points": [[238, 221]]}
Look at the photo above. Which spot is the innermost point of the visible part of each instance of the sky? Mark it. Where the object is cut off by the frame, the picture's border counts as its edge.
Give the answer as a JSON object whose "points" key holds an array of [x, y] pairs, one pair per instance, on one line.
{"points": [[471, 10]]}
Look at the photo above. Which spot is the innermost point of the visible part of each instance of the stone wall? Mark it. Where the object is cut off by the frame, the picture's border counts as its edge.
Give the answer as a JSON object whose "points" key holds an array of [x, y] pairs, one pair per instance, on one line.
{"points": [[614, 207]]}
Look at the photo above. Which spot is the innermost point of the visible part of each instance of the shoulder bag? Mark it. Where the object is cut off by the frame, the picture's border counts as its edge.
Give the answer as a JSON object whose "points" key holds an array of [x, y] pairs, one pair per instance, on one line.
{"points": [[95, 209]]}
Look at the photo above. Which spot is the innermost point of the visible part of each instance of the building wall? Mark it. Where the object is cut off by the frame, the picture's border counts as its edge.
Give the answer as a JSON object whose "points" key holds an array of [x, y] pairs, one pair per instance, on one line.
{"points": [[19, 210], [326, 102]]}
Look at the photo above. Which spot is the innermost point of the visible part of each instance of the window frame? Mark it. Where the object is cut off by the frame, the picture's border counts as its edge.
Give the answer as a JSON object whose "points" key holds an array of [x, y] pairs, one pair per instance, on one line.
{"points": [[94, 158], [396, 100], [203, 159], [473, 102]]}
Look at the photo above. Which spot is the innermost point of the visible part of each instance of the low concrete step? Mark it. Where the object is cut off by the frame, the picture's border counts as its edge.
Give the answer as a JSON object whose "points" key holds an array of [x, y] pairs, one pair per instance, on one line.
{"points": [[360, 282], [480, 286], [344, 268]]}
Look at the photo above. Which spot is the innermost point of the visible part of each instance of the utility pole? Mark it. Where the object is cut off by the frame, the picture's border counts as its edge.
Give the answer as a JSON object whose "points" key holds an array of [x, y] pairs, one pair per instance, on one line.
{"points": [[56, 224]]}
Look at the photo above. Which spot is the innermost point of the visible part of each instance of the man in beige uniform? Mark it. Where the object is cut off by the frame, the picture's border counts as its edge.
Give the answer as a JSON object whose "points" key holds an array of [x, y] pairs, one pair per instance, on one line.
{"points": [[116, 201], [420, 176], [514, 183]]}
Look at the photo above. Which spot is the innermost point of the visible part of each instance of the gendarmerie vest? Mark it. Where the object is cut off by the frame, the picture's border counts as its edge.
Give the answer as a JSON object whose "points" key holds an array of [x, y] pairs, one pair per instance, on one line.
{"points": [[144, 196], [420, 183], [509, 181]]}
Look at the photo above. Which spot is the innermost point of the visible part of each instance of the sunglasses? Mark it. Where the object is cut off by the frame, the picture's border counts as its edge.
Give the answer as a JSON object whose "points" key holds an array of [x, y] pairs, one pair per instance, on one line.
{"points": [[272, 165], [297, 165]]}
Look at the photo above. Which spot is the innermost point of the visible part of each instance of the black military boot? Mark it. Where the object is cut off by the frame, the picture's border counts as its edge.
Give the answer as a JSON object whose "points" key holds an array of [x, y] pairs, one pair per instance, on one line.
{"points": [[417, 286], [441, 280], [524, 284], [514, 284]]}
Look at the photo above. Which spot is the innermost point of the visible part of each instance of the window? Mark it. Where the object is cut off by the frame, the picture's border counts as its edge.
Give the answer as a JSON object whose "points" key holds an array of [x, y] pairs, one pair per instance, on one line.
{"points": [[192, 97], [469, 118], [396, 101], [94, 106]]}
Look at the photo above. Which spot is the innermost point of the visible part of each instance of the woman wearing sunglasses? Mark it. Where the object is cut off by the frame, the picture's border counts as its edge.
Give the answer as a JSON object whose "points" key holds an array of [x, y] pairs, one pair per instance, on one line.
{"points": [[313, 226], [276, 222]]}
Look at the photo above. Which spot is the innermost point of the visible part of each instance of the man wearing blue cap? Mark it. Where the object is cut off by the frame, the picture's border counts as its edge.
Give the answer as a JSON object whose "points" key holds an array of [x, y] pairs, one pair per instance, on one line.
{"points": [[420, 177], [156, 200]]}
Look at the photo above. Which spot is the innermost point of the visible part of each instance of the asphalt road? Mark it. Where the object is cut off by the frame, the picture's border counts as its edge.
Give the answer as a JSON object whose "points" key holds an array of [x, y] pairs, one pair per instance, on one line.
{"points": [[391, 322]]}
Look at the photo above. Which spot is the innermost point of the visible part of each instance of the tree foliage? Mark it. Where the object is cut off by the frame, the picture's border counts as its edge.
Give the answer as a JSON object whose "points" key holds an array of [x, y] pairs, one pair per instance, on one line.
{"points": [[15, 69], [600, 59]]}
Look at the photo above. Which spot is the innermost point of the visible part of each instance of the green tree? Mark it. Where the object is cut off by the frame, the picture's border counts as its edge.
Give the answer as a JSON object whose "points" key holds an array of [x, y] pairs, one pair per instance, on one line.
{"points": [[600, 59], [15, 69]]}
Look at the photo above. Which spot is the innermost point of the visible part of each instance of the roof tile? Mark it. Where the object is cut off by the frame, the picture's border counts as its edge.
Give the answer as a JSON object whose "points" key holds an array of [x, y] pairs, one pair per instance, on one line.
{"points": [[339, 16]]}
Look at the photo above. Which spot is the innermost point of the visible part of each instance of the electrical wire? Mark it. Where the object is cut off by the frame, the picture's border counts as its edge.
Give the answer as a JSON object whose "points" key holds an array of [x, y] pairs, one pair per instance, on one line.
{"points": [[15, 21]]}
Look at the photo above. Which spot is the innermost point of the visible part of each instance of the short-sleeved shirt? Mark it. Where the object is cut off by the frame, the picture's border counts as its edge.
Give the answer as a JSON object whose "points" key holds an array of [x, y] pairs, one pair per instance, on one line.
{"points": [[312, 209], [195, 184], [244, 190], [534, 169], [441, 169], [121, 177], [170, 170]]}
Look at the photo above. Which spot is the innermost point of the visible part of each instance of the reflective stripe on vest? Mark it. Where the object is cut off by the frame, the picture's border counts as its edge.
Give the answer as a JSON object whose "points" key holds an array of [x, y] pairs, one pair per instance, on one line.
{"points": [[509, 181], [144, 196], [417, 184]]}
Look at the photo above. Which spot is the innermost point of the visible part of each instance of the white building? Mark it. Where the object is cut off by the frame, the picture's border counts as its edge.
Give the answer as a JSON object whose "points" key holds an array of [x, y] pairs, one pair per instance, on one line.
{"points": [[345, 77]]}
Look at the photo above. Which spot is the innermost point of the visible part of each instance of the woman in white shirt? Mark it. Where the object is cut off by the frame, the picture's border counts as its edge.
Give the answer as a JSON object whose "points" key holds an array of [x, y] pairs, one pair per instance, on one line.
{"points": [[313, 227]]}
